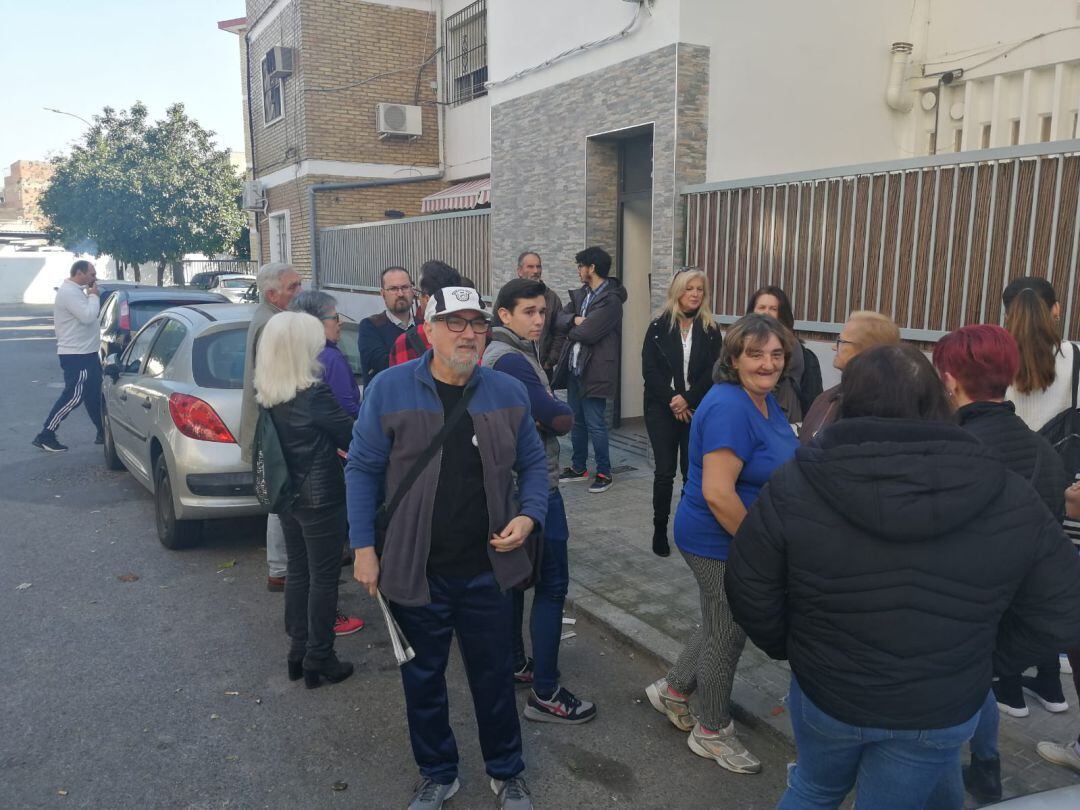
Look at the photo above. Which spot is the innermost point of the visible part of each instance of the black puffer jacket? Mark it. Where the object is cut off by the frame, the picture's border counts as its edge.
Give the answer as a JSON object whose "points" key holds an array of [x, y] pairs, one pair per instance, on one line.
{"points": [[311, 427], [1020, 449], [891, 562]]}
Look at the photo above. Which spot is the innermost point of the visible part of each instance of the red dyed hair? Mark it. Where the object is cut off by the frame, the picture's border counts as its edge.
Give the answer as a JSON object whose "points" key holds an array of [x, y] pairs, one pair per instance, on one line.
{"points": [[983, 358]]}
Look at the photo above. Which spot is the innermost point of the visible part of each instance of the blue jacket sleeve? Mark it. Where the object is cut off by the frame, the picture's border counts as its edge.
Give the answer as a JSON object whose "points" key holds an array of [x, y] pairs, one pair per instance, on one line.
{"points": [[338, 375], [548, 411], [365, 471], [532, 472]]}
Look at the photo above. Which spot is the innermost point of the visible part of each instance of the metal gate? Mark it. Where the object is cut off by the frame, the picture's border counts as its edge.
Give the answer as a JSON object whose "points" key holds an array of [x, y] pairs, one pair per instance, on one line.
{"points": [[352, 257], [930, 241]]}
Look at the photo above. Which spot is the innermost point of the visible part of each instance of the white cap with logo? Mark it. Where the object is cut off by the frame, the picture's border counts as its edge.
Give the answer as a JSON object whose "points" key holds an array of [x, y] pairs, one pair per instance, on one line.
{"points": [[449, 300]]}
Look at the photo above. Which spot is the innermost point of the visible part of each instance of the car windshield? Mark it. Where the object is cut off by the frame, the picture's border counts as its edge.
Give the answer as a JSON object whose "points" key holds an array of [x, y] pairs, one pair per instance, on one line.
{"points": [[143, 311], [236, 283], [217, 359]]}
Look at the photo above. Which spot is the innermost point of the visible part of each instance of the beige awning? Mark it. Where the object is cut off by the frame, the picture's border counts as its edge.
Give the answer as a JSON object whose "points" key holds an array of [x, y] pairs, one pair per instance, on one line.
{"points": [[461, 197]]}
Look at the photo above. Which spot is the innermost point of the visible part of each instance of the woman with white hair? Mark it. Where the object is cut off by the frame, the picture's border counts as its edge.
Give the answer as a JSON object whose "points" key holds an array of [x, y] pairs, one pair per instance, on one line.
{"points": [[311, 427]]}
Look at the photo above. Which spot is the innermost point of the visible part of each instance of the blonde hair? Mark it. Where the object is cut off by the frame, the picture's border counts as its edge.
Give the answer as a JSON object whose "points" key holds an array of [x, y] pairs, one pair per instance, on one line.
{"points": [[287, 358], [676, 290], [873, 329]]}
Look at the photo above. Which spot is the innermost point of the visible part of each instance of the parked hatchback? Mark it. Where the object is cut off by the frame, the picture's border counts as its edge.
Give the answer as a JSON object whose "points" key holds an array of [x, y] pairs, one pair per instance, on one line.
{"points": [[171, 413], [129, 308], [232, 285]]}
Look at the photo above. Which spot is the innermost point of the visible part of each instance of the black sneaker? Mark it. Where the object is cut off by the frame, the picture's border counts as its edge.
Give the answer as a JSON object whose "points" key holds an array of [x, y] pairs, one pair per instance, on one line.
{"points": [[1047, 691], [563, 707], [100, 438], [49, 444], [570, 474], [601, 483], [524, 675], [1010, 698]]}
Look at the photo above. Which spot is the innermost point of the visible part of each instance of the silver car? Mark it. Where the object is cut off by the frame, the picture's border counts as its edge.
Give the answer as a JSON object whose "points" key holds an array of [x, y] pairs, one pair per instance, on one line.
{"points": [[232, 285], [171, 409]]}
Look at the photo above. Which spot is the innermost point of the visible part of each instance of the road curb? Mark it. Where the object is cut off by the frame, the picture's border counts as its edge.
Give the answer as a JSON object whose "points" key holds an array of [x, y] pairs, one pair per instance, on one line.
{"points": [[749, 705]]}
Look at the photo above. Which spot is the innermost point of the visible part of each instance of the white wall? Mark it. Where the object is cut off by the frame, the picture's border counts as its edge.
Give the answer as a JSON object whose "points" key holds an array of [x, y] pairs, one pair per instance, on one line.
{"points": [[523, 33], [468, 139], [32, 276]]}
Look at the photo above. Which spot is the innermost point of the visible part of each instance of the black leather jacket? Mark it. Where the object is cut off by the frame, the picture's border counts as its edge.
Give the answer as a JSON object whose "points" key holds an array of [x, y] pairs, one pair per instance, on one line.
{"points": [[662, 362], [311, 427]]}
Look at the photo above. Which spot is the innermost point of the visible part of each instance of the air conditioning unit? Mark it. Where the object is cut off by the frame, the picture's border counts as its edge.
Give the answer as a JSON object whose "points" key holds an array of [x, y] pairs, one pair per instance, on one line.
{"points": [[278, 62], [398, 120], [253, 198]]}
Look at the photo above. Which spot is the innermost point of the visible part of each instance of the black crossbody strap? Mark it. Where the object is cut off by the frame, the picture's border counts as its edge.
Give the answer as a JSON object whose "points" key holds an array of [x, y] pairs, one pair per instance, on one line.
{"points": [[1076, 372], [429, 452]]}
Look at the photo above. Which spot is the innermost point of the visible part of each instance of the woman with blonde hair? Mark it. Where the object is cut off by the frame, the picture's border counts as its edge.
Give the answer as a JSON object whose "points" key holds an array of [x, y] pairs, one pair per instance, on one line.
{"points": [[311, 427], [681, 346], [738, 438]]}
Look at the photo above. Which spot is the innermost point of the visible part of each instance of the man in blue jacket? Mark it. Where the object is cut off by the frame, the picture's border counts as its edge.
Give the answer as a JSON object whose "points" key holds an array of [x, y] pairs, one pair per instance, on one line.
{"points": [[455, 543]]}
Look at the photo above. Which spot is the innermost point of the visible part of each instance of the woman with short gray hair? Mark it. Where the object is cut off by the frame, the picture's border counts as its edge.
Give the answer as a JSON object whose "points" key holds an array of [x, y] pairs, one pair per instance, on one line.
{"points": [[337, 373]]}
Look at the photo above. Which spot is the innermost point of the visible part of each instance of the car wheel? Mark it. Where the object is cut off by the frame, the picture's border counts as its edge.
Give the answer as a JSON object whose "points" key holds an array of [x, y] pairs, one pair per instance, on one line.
{"points": [[112, 460], [173, 534]]}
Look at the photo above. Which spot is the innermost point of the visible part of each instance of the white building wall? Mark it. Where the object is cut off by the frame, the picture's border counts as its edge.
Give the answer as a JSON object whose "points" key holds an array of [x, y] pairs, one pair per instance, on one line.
{"points": [[468, 139]]}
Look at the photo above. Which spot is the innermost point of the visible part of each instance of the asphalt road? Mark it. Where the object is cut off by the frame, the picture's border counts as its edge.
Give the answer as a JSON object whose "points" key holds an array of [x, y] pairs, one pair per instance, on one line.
{"points": [[170, 690]]}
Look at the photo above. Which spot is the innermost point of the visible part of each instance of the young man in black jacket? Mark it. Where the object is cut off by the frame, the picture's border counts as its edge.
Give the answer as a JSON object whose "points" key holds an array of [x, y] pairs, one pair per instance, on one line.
{"points": [[896, 564]]}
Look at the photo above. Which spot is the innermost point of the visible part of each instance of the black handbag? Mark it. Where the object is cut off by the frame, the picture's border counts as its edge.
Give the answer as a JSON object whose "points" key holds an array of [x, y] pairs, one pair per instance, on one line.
{"points": [[1063, 431], [387, 508]]}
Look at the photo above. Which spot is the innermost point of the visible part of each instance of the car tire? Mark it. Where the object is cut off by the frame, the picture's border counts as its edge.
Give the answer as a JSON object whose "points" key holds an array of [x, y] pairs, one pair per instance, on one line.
{"points": [[174, 534], [112, 460]]}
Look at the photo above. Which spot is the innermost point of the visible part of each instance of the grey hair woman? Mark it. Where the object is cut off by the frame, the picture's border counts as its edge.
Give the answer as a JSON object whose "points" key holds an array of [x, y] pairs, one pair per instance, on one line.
{"points": [[337, 372]]}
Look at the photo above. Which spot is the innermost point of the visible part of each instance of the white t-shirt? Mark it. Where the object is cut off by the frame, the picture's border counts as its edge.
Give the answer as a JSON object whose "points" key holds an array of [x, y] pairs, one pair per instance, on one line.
{"points": [[1039, 407], [75, 318], [687, 340]]}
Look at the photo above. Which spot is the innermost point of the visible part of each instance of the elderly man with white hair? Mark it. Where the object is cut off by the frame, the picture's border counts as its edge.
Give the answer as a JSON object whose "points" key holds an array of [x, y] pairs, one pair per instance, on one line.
{"points": [[278, 284]]}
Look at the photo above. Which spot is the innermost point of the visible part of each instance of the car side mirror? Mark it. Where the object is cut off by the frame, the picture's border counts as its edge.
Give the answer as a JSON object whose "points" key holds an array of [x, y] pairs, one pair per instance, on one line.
{"points": [[111, 369]]}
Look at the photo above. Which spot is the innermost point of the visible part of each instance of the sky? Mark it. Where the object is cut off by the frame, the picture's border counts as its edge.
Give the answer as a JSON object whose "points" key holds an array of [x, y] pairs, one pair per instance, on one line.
{"points": [[80, 56]]}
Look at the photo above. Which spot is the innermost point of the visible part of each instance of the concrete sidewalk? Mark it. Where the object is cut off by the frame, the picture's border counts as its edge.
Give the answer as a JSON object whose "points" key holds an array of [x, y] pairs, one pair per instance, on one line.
{"points": [[652, 603]]}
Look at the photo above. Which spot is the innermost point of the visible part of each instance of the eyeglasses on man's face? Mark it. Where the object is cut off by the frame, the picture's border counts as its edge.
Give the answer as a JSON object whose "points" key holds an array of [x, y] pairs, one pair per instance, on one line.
{"points": [[400, 289], [456, 324]]}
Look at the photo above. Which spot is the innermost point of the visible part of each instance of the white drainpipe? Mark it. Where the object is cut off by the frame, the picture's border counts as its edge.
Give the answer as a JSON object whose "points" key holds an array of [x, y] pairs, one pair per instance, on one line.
{"points": [[895, 96]]}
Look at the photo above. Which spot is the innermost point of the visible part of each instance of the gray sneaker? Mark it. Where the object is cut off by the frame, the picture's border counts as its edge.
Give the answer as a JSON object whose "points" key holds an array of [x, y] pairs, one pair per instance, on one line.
{"points": [[724, 747], [513, 794], [676, 709], [430, 795]]}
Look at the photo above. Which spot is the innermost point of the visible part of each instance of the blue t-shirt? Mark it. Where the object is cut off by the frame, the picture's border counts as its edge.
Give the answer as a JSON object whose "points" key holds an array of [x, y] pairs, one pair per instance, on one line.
{"points": [[728, 419]]}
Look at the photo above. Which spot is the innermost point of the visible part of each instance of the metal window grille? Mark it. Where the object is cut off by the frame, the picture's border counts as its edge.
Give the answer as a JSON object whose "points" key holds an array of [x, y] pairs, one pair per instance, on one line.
{"points": [[273, 96], [465, 53]]}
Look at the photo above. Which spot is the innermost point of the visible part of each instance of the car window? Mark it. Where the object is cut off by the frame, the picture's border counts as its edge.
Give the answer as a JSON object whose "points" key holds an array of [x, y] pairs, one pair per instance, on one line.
{"points": [[136, 352], [217, 359], [236, 283], [142, 311], [169, 339], [108, 314], [350, 335]]}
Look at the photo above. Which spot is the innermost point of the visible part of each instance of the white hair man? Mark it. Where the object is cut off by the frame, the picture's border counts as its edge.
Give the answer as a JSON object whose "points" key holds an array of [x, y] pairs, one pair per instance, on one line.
{"points": [[278, 284]]}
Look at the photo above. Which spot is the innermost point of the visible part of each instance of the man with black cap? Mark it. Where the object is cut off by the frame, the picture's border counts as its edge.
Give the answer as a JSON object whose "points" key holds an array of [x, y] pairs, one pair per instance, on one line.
{"points": [[450, 451]]}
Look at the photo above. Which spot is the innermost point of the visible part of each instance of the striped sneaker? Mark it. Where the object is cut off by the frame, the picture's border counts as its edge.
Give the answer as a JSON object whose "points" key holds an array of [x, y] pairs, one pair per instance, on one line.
{"points": [[724, 747], [675, 707], [563, 707]]}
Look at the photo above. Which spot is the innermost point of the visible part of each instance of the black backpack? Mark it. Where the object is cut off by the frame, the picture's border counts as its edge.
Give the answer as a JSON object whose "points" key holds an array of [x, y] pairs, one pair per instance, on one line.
{"points": [[1063, 431]]}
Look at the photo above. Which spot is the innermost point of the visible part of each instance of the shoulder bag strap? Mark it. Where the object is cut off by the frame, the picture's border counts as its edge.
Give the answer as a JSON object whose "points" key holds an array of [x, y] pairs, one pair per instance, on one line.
{"points": [[1075, 373], [429, 452]]}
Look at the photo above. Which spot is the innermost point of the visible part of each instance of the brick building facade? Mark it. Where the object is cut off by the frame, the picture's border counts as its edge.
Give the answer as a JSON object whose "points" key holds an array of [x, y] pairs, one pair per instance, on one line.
{"points": [[23, 188]]}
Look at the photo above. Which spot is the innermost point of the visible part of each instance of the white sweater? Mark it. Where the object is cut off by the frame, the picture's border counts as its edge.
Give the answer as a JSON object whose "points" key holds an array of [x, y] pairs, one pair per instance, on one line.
{"points": [[1039, 407], [75, 317]]}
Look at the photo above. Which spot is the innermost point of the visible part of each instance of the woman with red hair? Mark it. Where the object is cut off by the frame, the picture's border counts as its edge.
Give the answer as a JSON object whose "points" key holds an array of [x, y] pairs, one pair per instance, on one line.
{"points": [[977, 365]]}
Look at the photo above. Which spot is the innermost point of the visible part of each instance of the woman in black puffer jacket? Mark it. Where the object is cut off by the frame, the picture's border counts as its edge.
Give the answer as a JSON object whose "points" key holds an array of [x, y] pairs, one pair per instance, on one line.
{"points": [[311, 427], [895, 566]]}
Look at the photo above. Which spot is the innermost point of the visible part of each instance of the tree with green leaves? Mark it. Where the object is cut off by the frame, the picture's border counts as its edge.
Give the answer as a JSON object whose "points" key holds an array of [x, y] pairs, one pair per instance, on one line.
{"points": [[145, 192]]}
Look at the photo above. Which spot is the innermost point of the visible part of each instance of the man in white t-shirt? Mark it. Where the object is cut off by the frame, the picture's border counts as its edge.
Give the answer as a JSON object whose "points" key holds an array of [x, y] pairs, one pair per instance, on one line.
{"points": [[75, 318]]}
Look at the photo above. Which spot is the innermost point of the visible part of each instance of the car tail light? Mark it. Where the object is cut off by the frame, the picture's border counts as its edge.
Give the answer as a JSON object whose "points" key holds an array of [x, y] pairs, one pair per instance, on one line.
{"points": [[125, 317], [197, 420]]}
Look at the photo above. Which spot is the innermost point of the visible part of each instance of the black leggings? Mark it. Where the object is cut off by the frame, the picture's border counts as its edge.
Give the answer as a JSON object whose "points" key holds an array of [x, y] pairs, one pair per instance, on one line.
{"points": [[670, 439]]}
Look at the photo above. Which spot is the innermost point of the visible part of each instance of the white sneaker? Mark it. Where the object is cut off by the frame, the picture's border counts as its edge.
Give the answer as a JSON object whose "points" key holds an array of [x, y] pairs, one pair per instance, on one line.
{"points": [[1060, 754], [1066, 666], [676, 709], [724, 747]]}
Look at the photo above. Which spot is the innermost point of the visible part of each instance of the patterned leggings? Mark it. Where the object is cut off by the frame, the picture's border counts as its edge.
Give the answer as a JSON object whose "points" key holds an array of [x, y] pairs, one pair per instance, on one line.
{"points": [[709, 658]]}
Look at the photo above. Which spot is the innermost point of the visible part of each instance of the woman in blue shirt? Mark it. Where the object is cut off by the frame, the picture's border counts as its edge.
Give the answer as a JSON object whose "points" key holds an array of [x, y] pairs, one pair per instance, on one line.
{"points": [[738, 437]]}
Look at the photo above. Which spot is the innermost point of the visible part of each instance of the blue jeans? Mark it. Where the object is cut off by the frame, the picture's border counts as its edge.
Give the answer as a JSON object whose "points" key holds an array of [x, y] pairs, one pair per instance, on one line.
{"points": [[892, 769], [949, 792], [479, 613], [549, 594], [588, 424]]}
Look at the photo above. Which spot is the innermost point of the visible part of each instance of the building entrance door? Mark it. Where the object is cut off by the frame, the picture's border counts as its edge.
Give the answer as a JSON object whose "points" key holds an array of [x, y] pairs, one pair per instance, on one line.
{"points": [[634, 266]]}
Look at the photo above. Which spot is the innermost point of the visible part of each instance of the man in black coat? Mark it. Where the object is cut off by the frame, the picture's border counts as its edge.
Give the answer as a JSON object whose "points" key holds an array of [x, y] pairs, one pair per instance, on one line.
{"points": [[896, 565]]}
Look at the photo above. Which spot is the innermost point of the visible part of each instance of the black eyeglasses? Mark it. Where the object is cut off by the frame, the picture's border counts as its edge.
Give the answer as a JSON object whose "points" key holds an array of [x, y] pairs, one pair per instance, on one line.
{"points": [[840, 342], [456, 324], [334, 317], [401, 289]]}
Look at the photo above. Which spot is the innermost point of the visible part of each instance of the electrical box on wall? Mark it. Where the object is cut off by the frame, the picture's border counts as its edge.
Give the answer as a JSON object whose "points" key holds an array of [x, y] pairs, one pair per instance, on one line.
{"points": [[253, 197], [401, 120], [279, 62]]}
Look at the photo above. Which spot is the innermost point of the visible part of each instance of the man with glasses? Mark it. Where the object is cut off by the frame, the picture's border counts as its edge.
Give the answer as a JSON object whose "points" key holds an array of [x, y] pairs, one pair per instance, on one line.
{"points": [[864, 330], [434, 275], [378, 332], [441, 568]]}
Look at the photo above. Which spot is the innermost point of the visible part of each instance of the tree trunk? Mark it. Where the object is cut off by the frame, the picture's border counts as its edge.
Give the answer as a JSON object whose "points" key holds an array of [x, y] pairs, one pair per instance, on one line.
{"points": [[161, 273], [136, 268], [178, 274], [119, 270]]}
